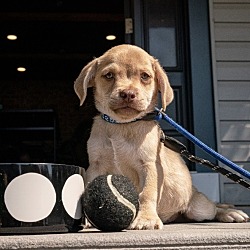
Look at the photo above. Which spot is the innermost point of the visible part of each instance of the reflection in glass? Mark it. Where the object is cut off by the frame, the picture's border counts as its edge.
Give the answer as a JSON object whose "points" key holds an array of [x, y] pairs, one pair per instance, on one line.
{"points": [[162, 31]]}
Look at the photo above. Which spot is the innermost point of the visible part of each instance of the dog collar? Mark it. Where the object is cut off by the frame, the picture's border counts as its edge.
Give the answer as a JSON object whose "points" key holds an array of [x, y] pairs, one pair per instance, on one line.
{"points": [[155, 115], [108, 119]]}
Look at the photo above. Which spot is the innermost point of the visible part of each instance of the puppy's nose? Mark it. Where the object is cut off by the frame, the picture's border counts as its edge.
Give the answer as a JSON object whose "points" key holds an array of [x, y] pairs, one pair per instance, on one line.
{"points": [[128, 95]]}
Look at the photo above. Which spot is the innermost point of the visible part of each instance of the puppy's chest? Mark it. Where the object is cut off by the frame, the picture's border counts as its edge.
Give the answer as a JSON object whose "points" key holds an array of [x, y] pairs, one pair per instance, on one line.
{"points": [[127, 143], [122, 144], [131, 145]]}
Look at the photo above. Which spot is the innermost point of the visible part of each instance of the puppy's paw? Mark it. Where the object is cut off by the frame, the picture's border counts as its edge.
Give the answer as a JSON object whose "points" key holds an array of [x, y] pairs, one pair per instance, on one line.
{"points": [[231, 215], [146, 222]]}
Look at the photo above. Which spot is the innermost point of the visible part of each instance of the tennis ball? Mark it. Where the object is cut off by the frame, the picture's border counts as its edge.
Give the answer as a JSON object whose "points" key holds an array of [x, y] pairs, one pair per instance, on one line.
{"points": [[110, 202]]}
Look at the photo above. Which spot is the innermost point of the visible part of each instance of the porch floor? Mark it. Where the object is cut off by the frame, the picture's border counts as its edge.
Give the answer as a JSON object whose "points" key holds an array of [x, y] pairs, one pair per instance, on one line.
{"points": [[173, 236]]}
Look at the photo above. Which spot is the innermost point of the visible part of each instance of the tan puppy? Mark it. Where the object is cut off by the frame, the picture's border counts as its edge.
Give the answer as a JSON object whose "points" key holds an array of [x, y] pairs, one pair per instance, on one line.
{"points": [[126, 80]]}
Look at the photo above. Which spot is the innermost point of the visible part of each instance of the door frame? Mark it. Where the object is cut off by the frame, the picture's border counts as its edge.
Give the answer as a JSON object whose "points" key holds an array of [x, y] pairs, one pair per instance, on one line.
{"points": [[201, 75]]}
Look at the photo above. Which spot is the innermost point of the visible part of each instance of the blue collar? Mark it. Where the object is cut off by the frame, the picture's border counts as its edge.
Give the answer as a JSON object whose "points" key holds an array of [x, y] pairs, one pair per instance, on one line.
{"points": [[155, 115], [108, 119]]}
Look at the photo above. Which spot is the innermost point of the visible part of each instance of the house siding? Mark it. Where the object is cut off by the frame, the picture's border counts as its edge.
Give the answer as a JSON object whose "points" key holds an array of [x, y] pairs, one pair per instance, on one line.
{"points": [[230, 40]]}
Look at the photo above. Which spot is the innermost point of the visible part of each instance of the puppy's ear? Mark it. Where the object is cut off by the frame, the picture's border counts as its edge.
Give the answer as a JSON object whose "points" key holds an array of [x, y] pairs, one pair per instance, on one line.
{"points": [[164, 87], [85, 80]]}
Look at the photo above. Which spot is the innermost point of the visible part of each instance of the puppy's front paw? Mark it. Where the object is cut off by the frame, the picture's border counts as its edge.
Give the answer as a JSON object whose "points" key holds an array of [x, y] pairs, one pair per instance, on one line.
{"points": [[144, 222], [231, 215]]}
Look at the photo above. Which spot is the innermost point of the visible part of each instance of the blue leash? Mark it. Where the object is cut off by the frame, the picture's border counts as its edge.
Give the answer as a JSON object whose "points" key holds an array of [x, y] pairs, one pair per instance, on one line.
{"points": [[203, 146]]}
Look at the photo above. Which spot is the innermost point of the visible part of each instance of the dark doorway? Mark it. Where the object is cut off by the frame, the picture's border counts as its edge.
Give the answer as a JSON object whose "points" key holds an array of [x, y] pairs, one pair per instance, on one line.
{"points": [[55, 40]]}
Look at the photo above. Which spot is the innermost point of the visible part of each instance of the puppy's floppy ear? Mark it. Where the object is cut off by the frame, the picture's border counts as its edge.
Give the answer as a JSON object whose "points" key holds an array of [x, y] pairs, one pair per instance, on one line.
{"points": [[85, 80], [164, 87]]}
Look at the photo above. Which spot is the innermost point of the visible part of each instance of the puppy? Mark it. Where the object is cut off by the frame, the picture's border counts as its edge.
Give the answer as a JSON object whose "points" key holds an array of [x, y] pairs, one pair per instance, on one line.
{"points": [[126, 82]]}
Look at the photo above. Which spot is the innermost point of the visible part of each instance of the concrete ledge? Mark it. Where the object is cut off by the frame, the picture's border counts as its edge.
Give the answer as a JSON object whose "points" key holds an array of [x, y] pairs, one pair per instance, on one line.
{"points": [[173, 236]]}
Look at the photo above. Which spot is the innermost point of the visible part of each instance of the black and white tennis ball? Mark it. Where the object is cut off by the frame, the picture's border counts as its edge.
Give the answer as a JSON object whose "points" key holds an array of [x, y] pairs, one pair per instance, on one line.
{"points": [[110, 202]]}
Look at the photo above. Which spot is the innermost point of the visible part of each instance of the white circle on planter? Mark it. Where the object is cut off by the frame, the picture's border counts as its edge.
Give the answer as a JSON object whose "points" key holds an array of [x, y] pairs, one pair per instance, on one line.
{"points": [[30, 197], [71, 196]]}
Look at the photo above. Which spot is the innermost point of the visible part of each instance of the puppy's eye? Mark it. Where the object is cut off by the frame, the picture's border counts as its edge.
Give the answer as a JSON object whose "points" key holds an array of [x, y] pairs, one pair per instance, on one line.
{"points": [[145, 76], [109, 76]]}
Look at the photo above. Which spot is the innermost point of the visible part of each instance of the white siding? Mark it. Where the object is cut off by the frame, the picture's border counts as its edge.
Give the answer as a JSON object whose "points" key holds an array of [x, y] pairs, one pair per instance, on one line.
{"points": [[230, 39]]}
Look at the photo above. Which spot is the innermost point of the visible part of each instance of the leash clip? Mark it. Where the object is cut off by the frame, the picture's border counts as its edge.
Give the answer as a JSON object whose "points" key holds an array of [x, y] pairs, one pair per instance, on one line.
{"points": [[173, 144], [158, 115]]}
